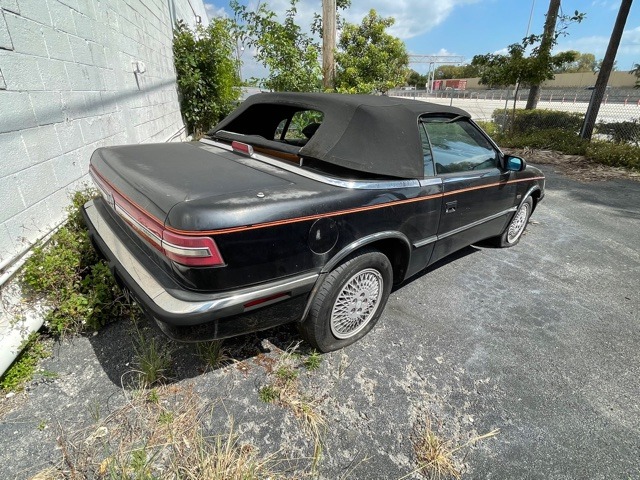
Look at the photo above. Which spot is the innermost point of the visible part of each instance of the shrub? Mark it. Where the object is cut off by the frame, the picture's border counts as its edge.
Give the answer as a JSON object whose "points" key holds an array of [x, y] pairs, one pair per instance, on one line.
{"points": [[526, 121], [206, 73], [490, 128], [614, 154], [550, 139], [621, 132], [67, 271]]}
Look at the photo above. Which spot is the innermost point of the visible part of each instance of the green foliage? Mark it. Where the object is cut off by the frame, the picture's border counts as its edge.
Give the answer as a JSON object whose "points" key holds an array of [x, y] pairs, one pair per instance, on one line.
{"points": [[502, 70], [455, 71], [369, 59], [636, 72], [583, 63], [211, 353], [614, 154], [24, 366], [289, 54], [206, 72], [313, 361], [416, 80], [622, 132], [490, 128], [152, 359], [526, 121], [67, 271], [550, 139], [268, 393]]}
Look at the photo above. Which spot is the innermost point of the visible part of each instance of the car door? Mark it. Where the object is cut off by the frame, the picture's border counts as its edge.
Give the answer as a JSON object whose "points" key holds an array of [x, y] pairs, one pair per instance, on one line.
{"points": [[477, 198]]}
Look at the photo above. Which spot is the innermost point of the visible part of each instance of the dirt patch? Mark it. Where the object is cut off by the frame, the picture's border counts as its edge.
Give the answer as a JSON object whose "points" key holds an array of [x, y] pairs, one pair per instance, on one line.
{"points": [[575, 167]]}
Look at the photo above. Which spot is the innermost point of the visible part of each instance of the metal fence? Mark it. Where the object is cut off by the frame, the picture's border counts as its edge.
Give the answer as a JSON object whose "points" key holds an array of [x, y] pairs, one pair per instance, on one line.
{"points": [[618, 118]]}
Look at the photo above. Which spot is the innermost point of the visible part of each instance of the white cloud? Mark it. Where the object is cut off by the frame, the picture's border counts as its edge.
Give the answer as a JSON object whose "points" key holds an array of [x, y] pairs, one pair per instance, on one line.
{"points": [[629, 46], [213, 11], [412, 17]]}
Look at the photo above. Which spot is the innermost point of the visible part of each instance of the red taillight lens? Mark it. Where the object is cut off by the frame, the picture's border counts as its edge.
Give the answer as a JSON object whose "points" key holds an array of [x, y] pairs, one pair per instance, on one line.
{"points": [[192, 251]]}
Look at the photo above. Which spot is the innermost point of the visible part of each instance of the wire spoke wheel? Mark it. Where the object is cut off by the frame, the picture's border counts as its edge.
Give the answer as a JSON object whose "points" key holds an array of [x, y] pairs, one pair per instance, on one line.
{"points": [[518, 223], [356, 303]]}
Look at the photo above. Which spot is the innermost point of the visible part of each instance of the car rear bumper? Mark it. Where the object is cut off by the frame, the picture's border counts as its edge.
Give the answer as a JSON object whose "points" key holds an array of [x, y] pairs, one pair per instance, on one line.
{"points": [[187, 315]]}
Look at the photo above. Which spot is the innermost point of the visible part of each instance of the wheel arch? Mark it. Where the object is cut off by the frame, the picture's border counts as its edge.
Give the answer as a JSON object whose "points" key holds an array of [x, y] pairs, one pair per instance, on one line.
{"points": [[535, 192], [395, 245]]}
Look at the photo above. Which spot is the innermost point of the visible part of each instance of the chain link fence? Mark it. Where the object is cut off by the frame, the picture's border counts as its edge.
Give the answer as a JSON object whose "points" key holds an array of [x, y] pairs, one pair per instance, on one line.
{"points": [[618, 119]]}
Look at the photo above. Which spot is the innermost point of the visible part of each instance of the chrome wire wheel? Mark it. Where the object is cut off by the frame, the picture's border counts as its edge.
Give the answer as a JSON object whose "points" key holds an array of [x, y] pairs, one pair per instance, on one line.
{"points": [[519, 222], [357, 303]]}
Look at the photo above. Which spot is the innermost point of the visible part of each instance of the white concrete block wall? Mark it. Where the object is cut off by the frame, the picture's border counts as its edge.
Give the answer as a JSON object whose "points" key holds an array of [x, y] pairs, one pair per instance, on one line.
{"points": [[67, 86]]}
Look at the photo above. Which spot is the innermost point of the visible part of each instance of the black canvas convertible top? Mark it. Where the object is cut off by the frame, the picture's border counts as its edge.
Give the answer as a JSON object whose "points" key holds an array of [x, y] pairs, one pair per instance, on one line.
{"points": [[367, 133]]}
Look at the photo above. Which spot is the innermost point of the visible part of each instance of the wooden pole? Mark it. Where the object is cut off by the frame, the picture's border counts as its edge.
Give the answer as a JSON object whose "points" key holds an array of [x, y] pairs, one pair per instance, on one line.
{"points": [[605, 71], [328, 43]]}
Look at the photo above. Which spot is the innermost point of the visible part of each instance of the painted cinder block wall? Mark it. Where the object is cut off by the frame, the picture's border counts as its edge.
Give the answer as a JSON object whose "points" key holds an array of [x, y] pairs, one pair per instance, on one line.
{"points": [[67, 86]]}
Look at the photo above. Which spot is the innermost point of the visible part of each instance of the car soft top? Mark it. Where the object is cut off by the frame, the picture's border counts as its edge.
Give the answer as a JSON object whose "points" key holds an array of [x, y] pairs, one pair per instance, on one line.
{"points": [[367, 133]]}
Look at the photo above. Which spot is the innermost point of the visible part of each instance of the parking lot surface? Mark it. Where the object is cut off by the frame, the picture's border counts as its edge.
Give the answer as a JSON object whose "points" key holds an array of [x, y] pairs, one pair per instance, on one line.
{"points": [[540, 341]]}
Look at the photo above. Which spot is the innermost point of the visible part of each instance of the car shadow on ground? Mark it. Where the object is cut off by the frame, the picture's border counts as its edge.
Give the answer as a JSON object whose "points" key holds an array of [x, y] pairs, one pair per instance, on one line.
{"points": [[119, 346]]}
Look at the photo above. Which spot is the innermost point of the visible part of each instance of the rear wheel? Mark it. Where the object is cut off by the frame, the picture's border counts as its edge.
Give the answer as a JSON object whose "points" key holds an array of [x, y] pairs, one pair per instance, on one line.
{"points": [[349, 301]]}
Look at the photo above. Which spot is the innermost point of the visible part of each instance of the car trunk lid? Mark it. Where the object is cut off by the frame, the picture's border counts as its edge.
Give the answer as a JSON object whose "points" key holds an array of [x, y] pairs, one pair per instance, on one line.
{"points": [[156, 177]]}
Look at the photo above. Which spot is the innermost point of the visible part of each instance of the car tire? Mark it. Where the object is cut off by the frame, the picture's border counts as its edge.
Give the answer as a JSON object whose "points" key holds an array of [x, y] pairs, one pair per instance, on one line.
{"points": [[512, 234], [349, 301]]}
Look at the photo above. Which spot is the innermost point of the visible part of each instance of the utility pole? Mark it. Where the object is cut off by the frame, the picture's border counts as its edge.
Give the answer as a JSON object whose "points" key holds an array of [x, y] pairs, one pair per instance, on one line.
{"points": [[545, 48], [328, 43], [605, 71]]}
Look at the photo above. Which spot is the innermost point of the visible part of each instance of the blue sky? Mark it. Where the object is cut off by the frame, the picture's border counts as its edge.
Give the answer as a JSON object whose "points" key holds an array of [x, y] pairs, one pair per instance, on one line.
{"points": [[470, 27]]}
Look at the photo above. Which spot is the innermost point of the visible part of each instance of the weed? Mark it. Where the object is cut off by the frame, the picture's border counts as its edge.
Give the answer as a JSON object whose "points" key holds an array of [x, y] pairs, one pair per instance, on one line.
{"points": [[160, 448], [25, 365], [313, 361], [152, 396], [42, 425], [436, 454], [68, 273], [165, 417], [95, 410], [152, 359], [268, 393], [211, 353], [286, 374], [285, 390]]}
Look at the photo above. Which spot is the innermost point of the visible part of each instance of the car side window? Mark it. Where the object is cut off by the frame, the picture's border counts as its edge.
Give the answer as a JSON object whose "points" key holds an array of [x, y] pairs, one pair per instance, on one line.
{"points": [[299, 128], [427, 157], [457, 146]]}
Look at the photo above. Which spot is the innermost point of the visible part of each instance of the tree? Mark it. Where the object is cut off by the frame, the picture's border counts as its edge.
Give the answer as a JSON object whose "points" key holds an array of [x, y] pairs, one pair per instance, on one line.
{"points": [[369, 59], [584, 63], [206, 73], [416, 80], [453, 71], [515, 68], [636, 72], [289, 54]]}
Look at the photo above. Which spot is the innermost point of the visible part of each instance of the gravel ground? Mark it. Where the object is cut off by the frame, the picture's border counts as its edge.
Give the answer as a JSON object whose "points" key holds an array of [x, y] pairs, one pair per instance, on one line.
{"points": [[539, 341]]}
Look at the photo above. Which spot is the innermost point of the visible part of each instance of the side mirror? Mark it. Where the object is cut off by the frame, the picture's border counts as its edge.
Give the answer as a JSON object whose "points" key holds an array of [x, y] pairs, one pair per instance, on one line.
{"points": [[514, 164]]}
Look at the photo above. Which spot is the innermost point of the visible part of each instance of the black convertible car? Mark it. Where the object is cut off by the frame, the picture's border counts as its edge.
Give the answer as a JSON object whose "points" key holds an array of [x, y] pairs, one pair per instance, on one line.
{"points": [[302, 207]]}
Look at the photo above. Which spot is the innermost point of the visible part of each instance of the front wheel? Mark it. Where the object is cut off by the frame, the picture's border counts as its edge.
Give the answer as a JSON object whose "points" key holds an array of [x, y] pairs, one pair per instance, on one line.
{"points": [[349, 301], [516, 227]]}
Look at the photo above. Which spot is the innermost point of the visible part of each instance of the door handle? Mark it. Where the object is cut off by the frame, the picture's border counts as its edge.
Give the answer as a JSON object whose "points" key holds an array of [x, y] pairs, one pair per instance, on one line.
{"points": [[450, 206]]}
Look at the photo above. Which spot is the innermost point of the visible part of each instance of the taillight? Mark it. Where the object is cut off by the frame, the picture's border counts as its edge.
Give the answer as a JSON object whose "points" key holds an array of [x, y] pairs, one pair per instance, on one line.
{"points": [[191, 251]]}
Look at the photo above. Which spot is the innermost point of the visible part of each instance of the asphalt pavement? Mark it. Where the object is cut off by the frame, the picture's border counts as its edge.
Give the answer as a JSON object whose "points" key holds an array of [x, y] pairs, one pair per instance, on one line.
{"points": [[540, 341]]}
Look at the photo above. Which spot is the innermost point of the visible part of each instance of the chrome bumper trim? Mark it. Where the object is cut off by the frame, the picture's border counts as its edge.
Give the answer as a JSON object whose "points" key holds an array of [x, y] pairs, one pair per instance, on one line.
{"points": [[222, 304]]}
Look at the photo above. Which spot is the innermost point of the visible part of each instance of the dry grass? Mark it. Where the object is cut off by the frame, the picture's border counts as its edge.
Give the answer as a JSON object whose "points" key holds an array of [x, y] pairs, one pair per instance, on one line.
{"points": [[575, 167], [285, 390], [156, 437], [437, 455]]}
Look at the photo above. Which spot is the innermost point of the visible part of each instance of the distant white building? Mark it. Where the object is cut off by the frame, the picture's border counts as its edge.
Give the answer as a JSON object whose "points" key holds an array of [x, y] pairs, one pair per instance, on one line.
{"points": [[76, 75]]}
